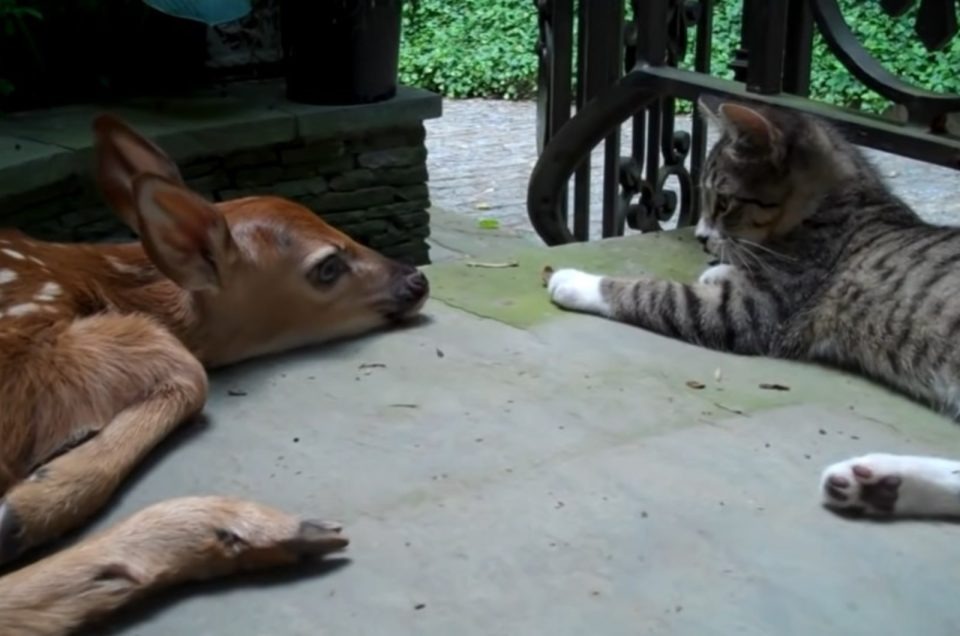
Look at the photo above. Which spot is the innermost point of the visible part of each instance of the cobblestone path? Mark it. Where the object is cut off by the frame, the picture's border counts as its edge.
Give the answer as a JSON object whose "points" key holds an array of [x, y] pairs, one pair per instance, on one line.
{"points": [[481, 153]]}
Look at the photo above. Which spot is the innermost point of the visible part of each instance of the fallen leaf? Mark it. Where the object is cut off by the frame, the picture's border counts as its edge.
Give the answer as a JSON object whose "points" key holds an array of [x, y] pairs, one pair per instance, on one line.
{"points": [[494, 265], [693, 384], [440, 353], [405, 406], [236, 393], [718, 375], [488, 224], [373, 365], [545, 275], [772, 386]]}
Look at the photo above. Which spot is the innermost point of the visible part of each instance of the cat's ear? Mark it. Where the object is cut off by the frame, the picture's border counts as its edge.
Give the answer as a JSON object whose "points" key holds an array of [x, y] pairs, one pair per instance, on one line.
{"points": [[709, 107], [746, 124]]}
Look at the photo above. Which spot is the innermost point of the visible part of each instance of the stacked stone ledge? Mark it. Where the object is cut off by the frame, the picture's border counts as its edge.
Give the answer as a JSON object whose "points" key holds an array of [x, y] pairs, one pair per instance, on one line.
{"points": [[371, 185]]}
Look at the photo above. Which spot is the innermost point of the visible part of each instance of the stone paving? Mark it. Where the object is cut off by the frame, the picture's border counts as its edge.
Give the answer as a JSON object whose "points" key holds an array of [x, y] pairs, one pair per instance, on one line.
{"points": [[481, 153]]}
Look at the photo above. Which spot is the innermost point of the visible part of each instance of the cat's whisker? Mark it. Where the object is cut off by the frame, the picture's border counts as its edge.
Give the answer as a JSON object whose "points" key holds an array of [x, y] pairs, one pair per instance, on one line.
{"points": [[762, 264], [744, 254], [748, 242]]}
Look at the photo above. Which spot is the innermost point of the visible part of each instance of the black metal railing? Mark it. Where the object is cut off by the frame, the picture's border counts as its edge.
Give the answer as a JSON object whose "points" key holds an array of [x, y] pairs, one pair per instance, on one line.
{"points": [[626, 72]]}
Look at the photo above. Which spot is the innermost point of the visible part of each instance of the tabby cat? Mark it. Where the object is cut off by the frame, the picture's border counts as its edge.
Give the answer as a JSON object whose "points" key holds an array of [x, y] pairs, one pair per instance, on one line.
{"points": [[817, 260]]}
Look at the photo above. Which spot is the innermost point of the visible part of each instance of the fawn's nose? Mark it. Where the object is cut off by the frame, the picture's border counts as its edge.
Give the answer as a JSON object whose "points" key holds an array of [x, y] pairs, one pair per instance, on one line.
{"points": [[417, 284], [410, 288]]}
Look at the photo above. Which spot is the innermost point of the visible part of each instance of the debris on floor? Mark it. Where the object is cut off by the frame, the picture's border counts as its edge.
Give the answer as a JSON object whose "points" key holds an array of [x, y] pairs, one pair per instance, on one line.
{"points": [[773, 386]]}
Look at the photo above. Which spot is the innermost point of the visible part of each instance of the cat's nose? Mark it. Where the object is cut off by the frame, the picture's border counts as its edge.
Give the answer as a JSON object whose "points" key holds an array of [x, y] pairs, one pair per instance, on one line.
{"points": [[703, 238]]}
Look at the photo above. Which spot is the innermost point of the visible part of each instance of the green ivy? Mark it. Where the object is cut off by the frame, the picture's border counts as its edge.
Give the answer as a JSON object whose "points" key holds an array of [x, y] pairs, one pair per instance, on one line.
{"points": [[471, 48], [486, 48]]}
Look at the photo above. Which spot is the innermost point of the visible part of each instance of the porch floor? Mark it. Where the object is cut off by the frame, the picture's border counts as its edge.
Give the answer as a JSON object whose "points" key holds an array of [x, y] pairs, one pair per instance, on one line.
{"points": [[508, 468]]}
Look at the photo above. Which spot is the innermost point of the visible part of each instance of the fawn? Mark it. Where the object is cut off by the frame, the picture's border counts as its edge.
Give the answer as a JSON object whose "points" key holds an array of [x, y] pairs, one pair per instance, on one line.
{"points": [[103, 351]]}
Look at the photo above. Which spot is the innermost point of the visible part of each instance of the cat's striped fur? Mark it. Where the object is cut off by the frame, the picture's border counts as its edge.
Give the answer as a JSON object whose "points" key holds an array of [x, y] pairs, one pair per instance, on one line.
{"points": [[817, 260]]}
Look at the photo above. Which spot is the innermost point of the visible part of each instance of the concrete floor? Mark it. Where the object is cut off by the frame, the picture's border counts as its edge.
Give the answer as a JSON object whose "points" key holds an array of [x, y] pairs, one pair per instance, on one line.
{"points": [[512, 469]]}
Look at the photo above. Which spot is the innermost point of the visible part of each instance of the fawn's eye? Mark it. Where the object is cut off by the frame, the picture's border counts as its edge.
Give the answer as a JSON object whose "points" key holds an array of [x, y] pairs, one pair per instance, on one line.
{"points": [[327, 271]]}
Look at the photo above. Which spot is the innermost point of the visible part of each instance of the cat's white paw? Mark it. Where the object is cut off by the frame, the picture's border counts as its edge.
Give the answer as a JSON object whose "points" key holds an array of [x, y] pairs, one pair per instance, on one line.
{"points": [[717, 274], [893, 485], [579, 291]]}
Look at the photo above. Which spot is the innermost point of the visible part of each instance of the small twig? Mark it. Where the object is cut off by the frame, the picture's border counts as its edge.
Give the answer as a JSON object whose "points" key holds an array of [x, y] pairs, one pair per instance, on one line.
{"points": [[772, 386], [494, 265], [728, 409]]}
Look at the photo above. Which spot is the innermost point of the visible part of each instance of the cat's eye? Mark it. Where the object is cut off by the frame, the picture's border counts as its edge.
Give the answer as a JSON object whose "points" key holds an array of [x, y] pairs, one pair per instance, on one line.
{"points": [[757, 202], [327, 271], [721, 202]]}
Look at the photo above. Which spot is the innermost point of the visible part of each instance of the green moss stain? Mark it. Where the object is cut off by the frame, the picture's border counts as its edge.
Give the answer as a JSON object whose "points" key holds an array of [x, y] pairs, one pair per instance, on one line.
{"points": [[516, 296]]}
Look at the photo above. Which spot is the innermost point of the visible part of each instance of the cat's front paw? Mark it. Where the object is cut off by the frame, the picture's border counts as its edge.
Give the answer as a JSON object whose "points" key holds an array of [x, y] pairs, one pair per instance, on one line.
{"points": [[716, 274], [578, 291]]}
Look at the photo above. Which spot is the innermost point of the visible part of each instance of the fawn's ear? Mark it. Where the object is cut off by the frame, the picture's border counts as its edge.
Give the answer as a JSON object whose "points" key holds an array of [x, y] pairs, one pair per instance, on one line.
{"points": [[121, 155], [184, 235]]}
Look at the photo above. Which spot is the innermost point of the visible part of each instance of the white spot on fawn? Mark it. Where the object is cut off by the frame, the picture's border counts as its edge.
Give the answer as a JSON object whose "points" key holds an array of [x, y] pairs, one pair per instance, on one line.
{"points": [[48, 292], [122, 267], [12, 253], [7, 276], [36, 260], [22, 309]]}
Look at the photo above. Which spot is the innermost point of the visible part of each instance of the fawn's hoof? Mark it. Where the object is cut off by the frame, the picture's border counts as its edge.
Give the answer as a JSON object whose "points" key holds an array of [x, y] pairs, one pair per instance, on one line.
{"points": [[10, 534], [316, 539]]}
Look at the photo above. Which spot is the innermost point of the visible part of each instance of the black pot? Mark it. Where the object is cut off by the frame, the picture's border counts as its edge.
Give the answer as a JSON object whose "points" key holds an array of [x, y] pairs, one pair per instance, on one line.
{"points": [[340, 51]]}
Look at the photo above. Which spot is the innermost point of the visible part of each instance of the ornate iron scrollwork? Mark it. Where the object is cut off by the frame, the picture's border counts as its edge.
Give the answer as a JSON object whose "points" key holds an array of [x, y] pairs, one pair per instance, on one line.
{"points": [[923, 107], [936, 22], [771, 65], [669, 149]]}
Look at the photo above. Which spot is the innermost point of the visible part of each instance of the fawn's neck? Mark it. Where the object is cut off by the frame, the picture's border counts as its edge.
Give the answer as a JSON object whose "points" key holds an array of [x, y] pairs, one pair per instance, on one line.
{"points": [[130, 282]]}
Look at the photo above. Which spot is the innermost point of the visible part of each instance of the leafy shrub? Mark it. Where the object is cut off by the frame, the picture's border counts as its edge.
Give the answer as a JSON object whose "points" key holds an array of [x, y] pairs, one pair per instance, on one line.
{"points": [[471, 48], [485, 48]]}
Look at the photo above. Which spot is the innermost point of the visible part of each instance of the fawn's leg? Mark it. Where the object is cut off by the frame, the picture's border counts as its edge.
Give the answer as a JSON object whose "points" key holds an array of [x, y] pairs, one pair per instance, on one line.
{"points": [[131, 383], [171, 542]]}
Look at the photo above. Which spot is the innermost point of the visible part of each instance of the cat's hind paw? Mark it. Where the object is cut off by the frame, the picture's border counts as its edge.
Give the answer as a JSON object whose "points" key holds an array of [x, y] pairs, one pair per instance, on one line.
{"points": [[882, 485], [578, 291], [862, 485]]}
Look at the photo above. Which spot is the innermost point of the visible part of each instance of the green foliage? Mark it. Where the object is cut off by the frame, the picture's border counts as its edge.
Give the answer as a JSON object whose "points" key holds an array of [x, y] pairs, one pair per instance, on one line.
{"points": [[895, 45], [15, 18], [486, 48], [470, 48]]}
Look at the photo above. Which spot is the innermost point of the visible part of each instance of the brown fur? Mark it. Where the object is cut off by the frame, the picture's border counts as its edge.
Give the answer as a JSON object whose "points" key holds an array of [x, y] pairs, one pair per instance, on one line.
{"points": [[105, 349]]}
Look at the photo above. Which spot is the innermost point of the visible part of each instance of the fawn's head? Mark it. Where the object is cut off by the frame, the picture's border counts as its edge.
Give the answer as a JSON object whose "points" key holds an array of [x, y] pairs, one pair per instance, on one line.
{"points": [[265, 273]]}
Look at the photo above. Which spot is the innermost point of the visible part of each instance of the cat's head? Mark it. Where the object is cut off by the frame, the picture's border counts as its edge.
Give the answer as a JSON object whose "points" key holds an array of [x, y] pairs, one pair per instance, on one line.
{"points": [[767, 171]]}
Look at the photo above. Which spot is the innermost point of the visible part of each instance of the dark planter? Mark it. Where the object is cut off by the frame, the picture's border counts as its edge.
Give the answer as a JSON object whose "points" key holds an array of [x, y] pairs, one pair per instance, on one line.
{"points": [[100, 51], [340, 51]]}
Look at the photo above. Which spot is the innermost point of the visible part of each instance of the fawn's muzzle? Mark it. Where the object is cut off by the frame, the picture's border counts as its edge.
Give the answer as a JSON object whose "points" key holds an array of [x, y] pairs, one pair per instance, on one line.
{"points": [[410, 290]]}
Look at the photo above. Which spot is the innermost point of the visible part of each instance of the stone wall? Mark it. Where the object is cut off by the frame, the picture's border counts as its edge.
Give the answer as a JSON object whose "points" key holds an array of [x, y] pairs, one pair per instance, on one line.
{"points": [[371, 185]]}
